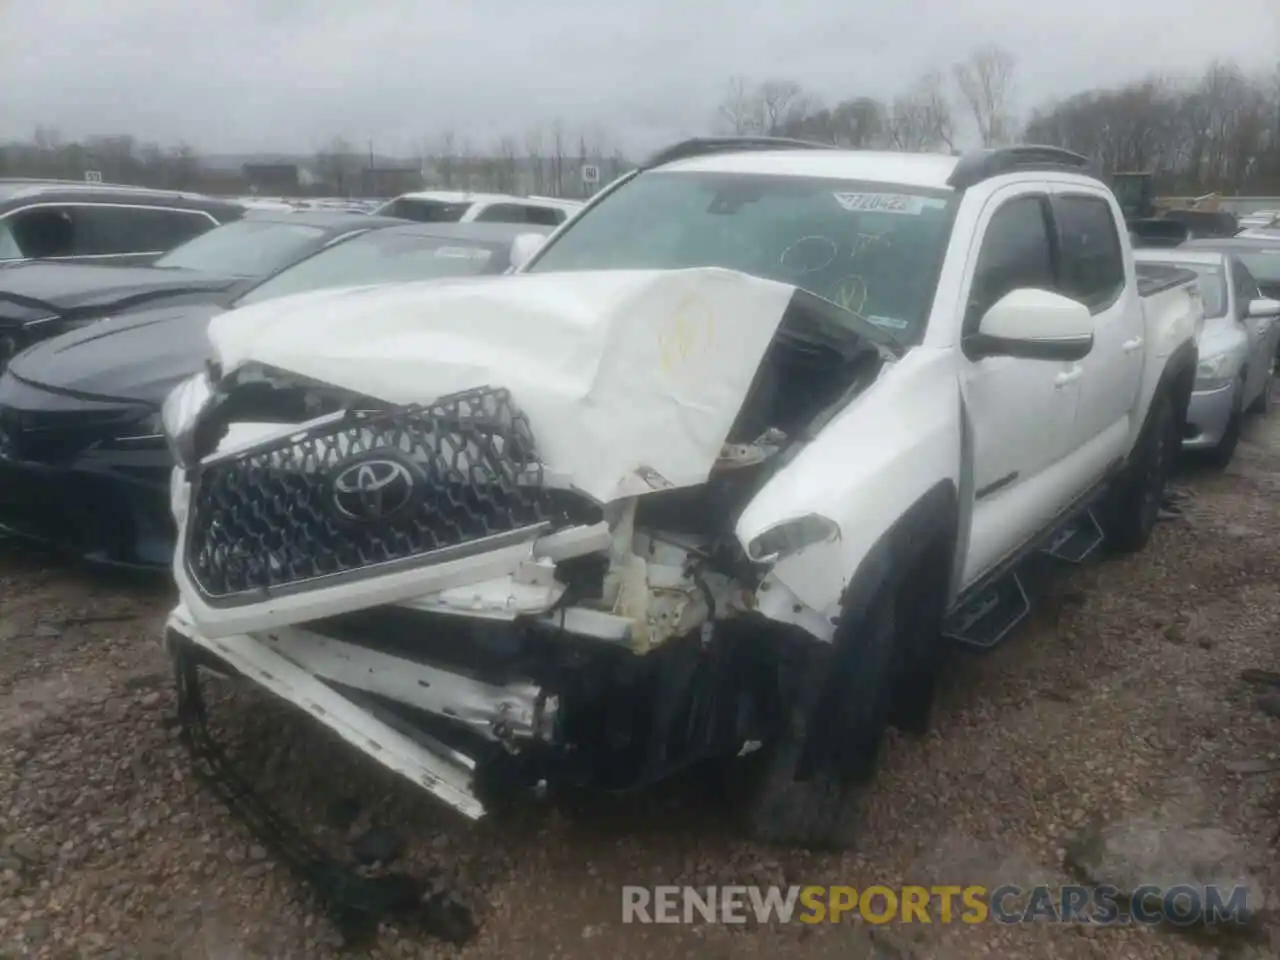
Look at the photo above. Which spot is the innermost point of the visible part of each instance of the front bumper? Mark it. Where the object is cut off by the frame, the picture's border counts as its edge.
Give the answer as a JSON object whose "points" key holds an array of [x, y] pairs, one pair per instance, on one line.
{"points": [[443, 772], [1208, 414], [111, 508]]}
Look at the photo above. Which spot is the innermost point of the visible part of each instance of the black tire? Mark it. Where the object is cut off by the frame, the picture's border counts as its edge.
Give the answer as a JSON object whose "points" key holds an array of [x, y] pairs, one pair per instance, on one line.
{"points": [[807, 791], [1133, 507], [1221, 454]]}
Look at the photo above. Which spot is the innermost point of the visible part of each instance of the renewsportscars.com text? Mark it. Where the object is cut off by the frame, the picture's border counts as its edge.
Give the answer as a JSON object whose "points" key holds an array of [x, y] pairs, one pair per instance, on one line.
{"points": [[1183, 905]]}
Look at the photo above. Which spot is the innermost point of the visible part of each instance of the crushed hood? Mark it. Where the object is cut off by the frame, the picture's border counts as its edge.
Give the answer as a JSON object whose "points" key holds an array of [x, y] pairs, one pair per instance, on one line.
{"points": [[631, 379], [135, 356]]}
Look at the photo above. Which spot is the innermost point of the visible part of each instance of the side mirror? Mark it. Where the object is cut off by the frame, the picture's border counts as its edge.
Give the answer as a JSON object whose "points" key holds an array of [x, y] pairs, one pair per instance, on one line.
{"points": [[524, 247], [1032, 324], [1264, 308]]}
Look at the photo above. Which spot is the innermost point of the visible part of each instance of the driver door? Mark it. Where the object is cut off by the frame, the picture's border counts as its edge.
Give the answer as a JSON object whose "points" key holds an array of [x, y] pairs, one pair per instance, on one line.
{"points": [[1021, 413]]}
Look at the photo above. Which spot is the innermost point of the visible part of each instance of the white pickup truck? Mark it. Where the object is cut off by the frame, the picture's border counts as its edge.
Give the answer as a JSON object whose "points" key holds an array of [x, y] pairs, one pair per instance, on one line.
{"points": [[715, 474]]}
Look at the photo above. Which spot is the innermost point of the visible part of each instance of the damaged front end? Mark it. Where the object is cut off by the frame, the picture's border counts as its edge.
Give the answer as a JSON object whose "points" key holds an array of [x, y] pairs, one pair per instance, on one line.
{"points": [[423, 580]]}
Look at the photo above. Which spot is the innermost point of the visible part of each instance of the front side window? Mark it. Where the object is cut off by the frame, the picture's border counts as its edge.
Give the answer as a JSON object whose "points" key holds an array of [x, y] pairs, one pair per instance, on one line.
{"points": [[1091, 258], [243, 248], [380, 256], [1264, 264], [1015, 253], [9, 249], [1212, 283], [874, 249]]}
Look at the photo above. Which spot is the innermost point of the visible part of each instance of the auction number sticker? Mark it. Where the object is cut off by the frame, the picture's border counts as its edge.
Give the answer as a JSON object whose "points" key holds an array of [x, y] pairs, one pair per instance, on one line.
{"points": [[881, 203]]}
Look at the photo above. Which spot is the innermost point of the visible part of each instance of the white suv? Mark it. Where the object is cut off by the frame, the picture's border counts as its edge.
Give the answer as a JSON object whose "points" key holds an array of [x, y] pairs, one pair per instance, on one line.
{"points": [[443, 206]]}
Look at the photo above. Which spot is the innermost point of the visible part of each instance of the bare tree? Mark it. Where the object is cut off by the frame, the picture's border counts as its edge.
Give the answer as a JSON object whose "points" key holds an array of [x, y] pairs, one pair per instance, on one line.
{"points": [[857, 123], [558, 139], [985, 82], [921, 118], [740, 111], [1218, 132], [533, 147], [336, 165], [506, 167], [780, 100]]}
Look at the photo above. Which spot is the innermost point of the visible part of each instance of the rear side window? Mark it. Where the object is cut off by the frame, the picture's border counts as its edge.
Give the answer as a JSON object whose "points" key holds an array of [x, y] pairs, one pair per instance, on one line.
{"points": [[162, 230], [1092, 260], [520, 213], [425, 211], [1015, 253], [80, 230], [1246, 287]]}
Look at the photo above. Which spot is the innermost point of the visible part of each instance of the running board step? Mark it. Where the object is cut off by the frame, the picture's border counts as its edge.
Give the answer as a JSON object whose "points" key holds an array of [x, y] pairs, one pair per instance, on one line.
{"points": [[1076, 541], [988, 618]]}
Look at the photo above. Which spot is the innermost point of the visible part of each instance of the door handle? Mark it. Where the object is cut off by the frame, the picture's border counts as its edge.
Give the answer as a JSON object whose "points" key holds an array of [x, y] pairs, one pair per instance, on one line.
{"points": [[1069, 376], [1132, 345]]}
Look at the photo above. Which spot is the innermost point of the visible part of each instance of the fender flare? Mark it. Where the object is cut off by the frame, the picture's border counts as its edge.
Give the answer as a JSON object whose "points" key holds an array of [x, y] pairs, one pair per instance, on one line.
{"points": [[1179, 374], [935, 515]]}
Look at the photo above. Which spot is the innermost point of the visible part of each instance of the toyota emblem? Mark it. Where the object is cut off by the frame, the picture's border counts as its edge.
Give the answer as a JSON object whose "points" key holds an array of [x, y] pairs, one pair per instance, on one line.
{"points": [[372, 489]]}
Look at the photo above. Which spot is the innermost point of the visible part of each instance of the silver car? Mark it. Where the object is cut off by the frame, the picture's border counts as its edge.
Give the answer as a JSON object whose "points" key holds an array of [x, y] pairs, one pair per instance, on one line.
{"points": [[1238, 344]]}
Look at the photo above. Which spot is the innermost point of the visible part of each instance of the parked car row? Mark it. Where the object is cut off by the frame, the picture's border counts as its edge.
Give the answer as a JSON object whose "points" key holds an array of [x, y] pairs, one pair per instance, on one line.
{"points": [[1239, 279]]}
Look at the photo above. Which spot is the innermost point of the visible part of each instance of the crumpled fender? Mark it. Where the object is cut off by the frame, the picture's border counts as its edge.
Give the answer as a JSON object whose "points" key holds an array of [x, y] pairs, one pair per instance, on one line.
{"points": [[885, 452]]}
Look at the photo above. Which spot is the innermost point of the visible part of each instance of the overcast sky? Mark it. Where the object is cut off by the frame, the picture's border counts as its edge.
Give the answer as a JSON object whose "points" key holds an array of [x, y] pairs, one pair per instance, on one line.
{"points": [[245, 75]]}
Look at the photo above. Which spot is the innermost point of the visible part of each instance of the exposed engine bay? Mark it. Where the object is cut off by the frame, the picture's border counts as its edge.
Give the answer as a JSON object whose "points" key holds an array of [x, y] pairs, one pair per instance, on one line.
{"points": [[624, 646]]}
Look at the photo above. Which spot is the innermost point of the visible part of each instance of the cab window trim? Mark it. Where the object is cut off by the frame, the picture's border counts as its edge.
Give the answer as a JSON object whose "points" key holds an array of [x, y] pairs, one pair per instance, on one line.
{"points": [[1055, 199]]}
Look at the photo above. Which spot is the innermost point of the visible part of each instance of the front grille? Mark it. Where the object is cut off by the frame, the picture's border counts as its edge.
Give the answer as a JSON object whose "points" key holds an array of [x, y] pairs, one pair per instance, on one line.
{"points": [[363, 490]]}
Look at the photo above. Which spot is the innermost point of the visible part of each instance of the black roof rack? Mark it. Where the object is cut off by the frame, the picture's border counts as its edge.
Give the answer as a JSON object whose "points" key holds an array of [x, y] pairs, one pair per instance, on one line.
{"points": [[704, 146], [981, 165]]}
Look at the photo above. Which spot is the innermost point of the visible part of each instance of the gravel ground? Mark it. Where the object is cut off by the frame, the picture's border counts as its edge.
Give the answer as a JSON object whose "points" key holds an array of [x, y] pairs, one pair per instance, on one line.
{"points": [[1123, 695]]}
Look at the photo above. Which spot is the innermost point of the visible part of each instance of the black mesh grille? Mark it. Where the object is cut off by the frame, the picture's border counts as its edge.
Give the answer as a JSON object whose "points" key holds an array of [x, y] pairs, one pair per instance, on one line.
{"points": [[368, 488]]}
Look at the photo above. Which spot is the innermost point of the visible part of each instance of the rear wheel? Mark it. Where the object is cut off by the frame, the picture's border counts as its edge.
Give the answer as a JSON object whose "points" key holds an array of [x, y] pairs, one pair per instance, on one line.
{"points": [[1133, 507]]}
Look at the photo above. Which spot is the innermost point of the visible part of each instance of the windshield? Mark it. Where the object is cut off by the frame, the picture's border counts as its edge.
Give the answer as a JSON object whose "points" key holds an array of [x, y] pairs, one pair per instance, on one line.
{"points": [[245, 248], [380, 256], [425, 211], [1263, 264], [872, 248]]}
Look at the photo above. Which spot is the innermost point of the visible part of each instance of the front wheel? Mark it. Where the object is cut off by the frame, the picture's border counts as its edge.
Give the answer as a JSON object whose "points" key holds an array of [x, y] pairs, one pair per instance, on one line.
{"points": [[1225, 450], [1262, 403], [1133, 507], [809, 784]]}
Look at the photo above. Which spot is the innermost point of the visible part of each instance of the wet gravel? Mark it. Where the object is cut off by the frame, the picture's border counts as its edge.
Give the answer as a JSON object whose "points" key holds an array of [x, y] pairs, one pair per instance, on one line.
{"points": [[1123, 690]]}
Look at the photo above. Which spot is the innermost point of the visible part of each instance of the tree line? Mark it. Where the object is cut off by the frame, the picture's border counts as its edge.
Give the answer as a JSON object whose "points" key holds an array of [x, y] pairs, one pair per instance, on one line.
{"points": [[1219, 131]]}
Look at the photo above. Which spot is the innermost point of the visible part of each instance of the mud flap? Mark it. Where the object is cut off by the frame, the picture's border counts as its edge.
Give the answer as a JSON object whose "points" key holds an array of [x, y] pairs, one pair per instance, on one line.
{"points": [[355, 904]]}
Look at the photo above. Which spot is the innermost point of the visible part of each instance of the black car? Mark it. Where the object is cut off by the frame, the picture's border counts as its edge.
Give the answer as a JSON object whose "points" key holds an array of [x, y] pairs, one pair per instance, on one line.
{"points": [[101, 223], [83, 460], [41, 299]]}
